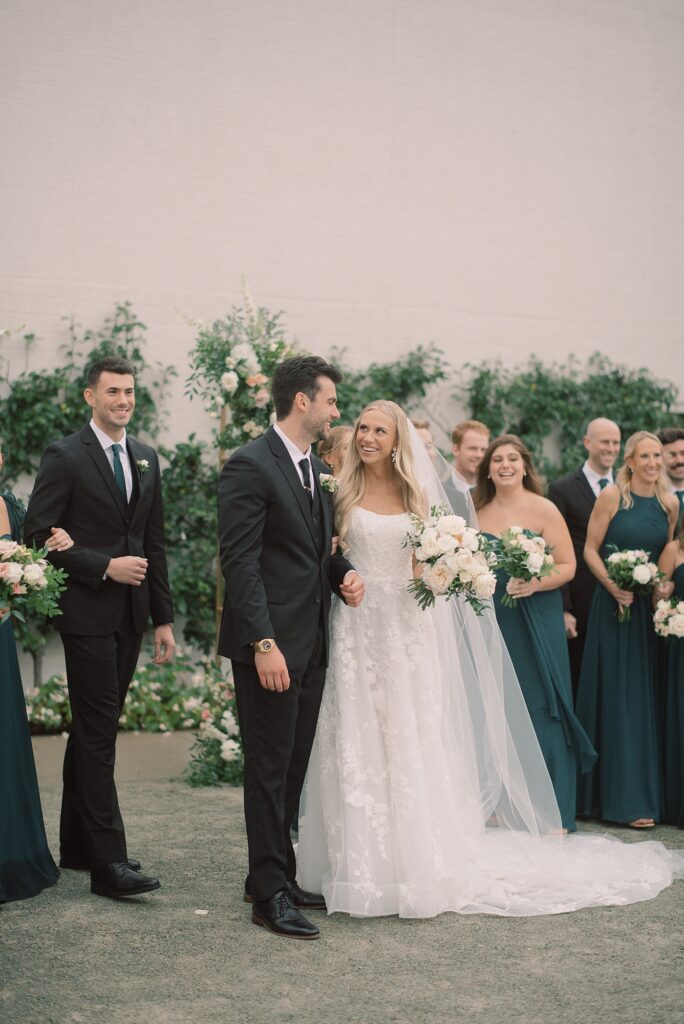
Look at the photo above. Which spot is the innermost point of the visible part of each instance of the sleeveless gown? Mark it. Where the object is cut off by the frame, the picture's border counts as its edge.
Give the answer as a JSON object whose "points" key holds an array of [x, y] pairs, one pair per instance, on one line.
{"points": [[535, 637], [391, 819], [616, 697], [673, 720], [26, 865]]}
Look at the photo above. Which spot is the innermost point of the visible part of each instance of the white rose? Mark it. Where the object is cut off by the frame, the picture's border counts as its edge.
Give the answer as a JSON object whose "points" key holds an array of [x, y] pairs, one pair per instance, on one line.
{"points": [[438, 578], [244, 353], [429, 546], [677, 625], [230, 381], [229, 750], [451, 524], [680, 608], [210, 730], [445, 542], [534, 562], [7, 548], [515, 530], [484, 585], [641, 574], [11, 572], [229, 723], [471, 539], [615, 557], [631, 557], [460, 560], [34, 576]]}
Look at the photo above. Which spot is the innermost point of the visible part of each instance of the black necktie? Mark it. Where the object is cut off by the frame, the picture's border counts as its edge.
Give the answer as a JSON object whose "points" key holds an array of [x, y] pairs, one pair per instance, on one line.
{"points": [[306, 474], [119, 473], [603, 482]]}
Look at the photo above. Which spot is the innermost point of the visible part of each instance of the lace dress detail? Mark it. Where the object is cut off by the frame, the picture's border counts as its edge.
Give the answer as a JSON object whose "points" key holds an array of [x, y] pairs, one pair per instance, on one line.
{"points": [[393, 820]]}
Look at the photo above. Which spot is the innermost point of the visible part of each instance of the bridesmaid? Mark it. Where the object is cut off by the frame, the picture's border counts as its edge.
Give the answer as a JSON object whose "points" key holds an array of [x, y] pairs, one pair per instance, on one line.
{"points": [[671, 562], [508, 493], [616, 697], [333, 448], [26, 865]]}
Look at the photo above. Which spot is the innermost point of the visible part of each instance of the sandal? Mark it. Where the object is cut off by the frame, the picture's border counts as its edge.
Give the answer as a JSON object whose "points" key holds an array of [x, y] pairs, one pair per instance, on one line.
{"points": [[641, 823]]}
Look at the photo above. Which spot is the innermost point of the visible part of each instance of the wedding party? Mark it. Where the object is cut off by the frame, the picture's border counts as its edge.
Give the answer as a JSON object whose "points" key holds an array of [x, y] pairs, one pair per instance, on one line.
{"points": [[341, 588]]}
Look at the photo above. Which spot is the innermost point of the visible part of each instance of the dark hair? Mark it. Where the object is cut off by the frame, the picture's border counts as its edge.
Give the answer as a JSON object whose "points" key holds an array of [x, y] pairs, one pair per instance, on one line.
{"points": [[485, 490], [301, 373], [110, 364], [670, 434]]}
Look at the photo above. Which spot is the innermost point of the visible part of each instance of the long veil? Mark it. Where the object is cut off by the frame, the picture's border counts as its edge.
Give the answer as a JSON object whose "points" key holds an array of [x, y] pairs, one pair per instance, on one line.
{"points": [[485, 712]]}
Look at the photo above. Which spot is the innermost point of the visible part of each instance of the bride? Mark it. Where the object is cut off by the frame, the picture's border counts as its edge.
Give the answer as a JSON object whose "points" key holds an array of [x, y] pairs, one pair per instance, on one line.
{"points": [[426, 790]]}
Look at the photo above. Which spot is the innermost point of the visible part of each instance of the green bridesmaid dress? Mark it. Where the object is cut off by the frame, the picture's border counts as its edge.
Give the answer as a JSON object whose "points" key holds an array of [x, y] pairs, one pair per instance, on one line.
{"points": [[26, 865], [616, 697], [673, 720], [534, 633]]}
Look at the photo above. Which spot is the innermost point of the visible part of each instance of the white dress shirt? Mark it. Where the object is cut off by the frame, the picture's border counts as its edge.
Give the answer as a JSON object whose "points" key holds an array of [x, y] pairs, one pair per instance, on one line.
{"points": [[593, 477], [106, 443], [295, 453]]}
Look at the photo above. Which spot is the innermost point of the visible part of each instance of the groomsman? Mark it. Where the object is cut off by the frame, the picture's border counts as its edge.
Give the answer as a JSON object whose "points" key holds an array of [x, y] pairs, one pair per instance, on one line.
{"points": [[469, 443], [575, 495], [672, 440], [103, 486]]}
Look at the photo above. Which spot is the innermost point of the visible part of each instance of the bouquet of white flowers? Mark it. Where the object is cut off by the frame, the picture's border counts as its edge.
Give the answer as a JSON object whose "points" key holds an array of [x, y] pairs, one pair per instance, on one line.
{"points": [[457, 560], [524, 555], [631, 570], [29, 585], [669, 618]]}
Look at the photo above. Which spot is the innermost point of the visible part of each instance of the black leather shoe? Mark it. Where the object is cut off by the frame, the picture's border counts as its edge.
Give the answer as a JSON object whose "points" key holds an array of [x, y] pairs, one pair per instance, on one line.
{"points": [[75, 864], [280, 916], [117, 881], [300, 897]]}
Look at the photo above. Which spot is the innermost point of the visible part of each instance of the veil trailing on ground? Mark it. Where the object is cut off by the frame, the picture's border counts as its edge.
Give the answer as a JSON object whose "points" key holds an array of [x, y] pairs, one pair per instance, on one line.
{"points": [[485, 712]]}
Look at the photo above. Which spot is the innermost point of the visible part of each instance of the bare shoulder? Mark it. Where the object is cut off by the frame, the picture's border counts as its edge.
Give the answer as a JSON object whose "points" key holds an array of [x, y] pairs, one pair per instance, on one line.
{"points": [[4, 517]]}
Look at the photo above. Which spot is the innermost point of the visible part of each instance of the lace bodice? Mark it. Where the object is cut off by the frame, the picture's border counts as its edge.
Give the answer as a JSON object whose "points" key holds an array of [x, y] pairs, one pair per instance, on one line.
{"points": [[375, 545]]}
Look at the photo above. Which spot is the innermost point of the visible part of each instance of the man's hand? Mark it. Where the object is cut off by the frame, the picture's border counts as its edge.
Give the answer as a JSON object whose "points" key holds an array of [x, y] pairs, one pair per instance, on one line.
{"points": [[570, 625], [164, 644], [352, 589], [128, 569], [272, 670]]}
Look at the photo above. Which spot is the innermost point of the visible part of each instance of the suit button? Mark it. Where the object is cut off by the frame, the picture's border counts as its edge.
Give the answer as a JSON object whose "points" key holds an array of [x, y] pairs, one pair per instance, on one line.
{"points": [[317, 599]]}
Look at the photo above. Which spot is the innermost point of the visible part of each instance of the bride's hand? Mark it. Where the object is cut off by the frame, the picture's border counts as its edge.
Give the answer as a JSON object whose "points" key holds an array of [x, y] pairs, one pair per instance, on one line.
{"points": [[59, 541], [352, 589], [335, 544]]}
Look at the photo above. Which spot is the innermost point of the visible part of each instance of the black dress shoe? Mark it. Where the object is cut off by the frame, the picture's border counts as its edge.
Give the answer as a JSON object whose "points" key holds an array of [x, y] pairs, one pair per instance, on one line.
{"points": [[117, 881], [300, 897], [280, 916], [77, 864]]}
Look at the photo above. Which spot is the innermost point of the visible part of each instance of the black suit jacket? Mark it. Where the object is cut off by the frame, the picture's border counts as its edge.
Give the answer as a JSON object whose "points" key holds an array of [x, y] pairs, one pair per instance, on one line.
{"points": [[278, 577], [573, 495], [75, 488]]}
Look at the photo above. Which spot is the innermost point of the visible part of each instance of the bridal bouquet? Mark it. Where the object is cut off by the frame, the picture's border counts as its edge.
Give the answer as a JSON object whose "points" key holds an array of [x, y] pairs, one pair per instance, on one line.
{"points": [[524, 556], [631, 570], [29, 585], [457, 560], [669, 618]]}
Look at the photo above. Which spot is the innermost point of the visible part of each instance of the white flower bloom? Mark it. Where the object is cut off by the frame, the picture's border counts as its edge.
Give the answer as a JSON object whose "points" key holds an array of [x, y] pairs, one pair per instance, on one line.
{"points": [[461, 559], [534, 562], [515, 530], [230, 381], [451, 524], [677, 625], [438, 578], [229, 723], [641, 574], [230, 750], [429, 545], [34, 576], [11, 572], [484, 585]]}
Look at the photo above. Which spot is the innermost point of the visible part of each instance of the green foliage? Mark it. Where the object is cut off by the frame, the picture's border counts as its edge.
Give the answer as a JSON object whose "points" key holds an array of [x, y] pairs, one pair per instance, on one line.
{"points": [[189, 486], [217, 755], [549, 406], [402, 381], [42, 406]]}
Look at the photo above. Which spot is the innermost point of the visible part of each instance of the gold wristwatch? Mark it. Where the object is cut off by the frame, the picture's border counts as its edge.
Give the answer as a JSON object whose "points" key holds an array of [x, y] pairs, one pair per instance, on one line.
{"points": [[263, 646]]}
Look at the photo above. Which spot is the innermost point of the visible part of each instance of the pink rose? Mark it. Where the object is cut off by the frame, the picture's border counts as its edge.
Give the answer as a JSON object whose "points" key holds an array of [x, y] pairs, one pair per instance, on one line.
{"points": [[262, 398], [11, 571], [18, 588]]}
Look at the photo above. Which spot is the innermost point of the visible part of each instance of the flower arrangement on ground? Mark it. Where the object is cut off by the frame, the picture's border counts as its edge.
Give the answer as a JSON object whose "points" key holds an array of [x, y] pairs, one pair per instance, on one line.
{"points": [[668, 618], [29, 584], [232, 366], [456, 560], [631, 570], [217, 756], [524, 555]]}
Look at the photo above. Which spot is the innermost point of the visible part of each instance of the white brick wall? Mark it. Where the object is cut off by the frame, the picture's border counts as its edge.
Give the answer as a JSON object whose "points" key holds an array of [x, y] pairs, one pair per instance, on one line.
{"points": [[500, 176]]}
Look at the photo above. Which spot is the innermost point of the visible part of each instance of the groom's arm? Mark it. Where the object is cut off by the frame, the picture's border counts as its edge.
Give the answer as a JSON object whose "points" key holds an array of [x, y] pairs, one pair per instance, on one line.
{"points": [[48, 507], [241, 521]]}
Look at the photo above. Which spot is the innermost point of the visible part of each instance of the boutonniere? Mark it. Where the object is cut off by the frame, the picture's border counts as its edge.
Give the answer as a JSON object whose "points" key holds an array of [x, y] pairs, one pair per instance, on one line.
{"points": [[143, 465], [328, 482]]}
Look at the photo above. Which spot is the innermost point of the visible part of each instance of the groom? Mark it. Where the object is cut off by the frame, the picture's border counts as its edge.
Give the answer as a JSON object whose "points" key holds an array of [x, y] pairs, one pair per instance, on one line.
{"points": [[103, 486], [275, 533]]}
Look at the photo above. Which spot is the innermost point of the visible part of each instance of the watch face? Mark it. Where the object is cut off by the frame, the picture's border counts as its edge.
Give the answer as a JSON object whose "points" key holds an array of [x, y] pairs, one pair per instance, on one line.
{"points": [[265, 645]]}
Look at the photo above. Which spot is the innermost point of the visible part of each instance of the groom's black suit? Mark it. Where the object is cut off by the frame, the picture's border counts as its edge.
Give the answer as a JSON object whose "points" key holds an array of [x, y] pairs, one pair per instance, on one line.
{"points": [[102, 621], [279, 573], [575, 499]]}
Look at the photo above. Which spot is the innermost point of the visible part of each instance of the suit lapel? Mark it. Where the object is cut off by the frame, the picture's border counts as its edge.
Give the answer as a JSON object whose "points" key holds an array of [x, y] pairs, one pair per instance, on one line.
{"points": [[99, 459], [584, 487], [324, 503], [286, 467], [140, 481]]}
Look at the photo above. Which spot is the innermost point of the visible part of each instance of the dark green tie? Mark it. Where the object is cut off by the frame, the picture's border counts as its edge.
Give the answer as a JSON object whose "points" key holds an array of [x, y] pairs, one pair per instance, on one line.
{"points": [[119, 473], [680, 496], [603, 482]]}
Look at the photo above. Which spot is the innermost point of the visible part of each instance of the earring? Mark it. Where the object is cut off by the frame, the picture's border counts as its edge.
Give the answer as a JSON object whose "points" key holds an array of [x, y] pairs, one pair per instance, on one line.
{"points": [[394, 456]]}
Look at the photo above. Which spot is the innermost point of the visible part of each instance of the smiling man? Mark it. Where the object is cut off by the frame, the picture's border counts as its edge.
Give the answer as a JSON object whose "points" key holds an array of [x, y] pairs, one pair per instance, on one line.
{"points": [[672, 440], [575, 495], [103, 486], [469, 443]]}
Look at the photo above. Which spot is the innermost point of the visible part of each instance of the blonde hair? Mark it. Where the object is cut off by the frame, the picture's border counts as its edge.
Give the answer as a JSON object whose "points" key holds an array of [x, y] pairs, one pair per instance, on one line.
{"points": [[336, 437], [624, 475], [352, 481]]}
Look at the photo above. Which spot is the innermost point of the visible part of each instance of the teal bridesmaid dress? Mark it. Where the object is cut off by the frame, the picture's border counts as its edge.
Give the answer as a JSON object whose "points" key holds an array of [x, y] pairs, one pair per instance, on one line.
{"points": [[673, 720], [26, 865], [534, 633], [616, 697]]}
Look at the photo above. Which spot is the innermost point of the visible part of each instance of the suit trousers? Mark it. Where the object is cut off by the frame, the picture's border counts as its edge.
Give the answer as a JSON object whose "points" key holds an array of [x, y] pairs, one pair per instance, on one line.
{"points": [[278, 731], [99, 671]]}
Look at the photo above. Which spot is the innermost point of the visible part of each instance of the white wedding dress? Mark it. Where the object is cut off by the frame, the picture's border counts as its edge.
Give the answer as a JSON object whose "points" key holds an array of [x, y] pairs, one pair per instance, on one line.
{"points": [[426, 790]]}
